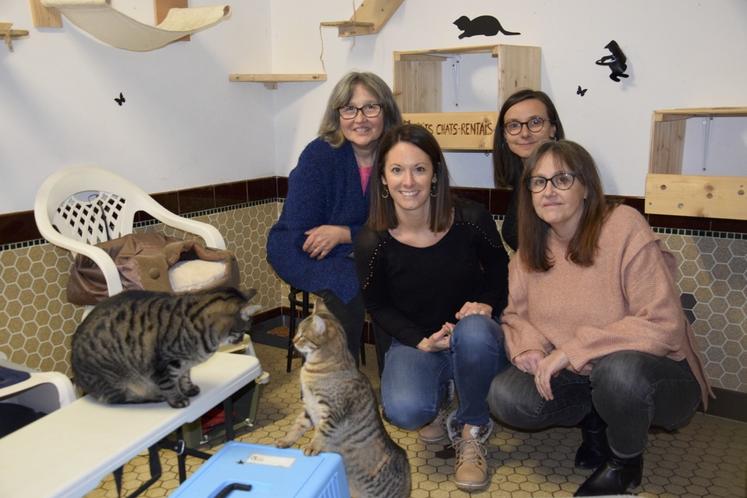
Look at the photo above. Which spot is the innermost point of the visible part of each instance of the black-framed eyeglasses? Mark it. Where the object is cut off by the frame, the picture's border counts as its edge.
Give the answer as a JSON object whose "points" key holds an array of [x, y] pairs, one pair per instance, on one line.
{"points": [[561, 181], [368, 110], [534, 125]]}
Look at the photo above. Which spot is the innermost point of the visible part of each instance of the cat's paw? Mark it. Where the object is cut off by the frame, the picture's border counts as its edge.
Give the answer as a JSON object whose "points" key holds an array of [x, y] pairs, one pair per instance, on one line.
{"points": [[284, 443], [192, 391], [181, 402], [311, 450]]}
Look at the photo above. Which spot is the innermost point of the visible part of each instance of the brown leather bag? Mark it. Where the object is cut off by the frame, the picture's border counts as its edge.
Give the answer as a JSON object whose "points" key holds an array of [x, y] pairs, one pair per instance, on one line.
{"points": [[143, 260]]}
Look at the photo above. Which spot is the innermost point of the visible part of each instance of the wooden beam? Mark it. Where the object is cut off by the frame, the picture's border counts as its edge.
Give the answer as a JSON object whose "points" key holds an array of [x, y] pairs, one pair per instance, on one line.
{"points": [[692, 195], [44, 17]]}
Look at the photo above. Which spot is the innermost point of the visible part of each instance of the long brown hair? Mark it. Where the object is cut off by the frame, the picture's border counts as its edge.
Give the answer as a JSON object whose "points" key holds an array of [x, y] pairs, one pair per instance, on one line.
{"points": [[507, 166], [533, 230], [381, 214], [330, 130]]}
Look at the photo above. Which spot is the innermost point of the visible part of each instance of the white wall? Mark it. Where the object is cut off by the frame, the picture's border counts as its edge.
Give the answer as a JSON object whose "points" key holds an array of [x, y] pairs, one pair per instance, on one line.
{"points": [[183, 123], [681, 53]]}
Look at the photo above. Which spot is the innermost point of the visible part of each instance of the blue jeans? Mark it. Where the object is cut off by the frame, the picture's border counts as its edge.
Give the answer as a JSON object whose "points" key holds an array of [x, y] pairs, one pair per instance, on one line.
{"points": [[630, 390], [414, 384]]}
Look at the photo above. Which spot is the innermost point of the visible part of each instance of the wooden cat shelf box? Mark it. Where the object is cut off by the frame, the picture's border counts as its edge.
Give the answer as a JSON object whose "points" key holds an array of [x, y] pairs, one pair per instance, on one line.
{"points": [[271, 81], [417, 89], [670, 192]]}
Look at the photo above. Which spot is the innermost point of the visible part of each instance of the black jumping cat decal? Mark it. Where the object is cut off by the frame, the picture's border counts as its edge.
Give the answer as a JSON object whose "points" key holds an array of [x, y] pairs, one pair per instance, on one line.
{"points": [[616, 61]]}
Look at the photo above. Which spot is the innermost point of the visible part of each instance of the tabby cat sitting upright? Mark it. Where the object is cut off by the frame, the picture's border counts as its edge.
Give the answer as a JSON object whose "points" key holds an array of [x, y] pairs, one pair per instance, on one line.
{"points": [[340, 404], [139, 346]]}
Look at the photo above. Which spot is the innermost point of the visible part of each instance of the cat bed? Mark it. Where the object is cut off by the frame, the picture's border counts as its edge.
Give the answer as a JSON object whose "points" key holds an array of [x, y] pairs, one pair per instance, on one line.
{"points": [[153, 261], [119, 30]]}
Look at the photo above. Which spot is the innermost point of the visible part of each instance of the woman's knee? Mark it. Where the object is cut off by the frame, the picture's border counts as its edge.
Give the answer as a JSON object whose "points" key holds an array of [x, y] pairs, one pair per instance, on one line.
{"points": [[477, 332], [403, 412], [508, 401]]}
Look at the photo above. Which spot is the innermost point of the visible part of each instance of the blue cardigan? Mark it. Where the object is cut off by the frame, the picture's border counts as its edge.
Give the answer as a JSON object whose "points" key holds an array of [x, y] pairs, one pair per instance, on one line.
{"points": [[323, 189]]}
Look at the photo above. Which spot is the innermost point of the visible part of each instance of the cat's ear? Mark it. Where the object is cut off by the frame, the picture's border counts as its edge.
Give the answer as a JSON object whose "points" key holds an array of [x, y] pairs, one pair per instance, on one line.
{"points": [[317, 324], [319, 306]]}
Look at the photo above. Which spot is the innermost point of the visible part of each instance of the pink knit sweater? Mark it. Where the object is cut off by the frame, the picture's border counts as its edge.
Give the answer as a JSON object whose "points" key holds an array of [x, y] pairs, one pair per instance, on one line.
{"points": [[626, 300]]}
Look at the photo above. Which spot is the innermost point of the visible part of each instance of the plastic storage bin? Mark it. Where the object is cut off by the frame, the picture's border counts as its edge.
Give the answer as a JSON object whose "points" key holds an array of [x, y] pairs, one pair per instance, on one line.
{"points": [[270, 472]]}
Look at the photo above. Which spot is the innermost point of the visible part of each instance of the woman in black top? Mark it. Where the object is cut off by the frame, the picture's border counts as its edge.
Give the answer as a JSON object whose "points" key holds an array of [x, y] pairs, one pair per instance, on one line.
{"points": [[527, 118], [434, 276]]}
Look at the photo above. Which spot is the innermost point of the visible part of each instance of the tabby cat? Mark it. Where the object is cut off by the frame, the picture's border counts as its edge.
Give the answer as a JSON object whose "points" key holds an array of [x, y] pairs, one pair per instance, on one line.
{"points": [[340, 404], [139, 346]]}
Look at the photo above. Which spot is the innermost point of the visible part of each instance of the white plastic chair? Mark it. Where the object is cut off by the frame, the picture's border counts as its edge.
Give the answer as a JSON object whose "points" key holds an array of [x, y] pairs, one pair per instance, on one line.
{"points": [[79, 207]]}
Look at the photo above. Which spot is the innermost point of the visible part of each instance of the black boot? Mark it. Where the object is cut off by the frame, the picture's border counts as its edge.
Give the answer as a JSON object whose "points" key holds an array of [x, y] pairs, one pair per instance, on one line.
{"points": [[594, 449], [616, 477]]}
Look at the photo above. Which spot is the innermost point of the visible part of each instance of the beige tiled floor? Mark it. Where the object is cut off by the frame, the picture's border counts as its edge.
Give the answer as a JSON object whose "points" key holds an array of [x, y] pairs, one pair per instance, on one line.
{"points": [[707, 458]]}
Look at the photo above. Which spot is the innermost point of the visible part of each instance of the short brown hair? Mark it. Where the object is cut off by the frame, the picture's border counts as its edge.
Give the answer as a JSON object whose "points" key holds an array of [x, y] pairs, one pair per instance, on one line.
{"points": [[533, 230], [329, 128], [382, 214]]}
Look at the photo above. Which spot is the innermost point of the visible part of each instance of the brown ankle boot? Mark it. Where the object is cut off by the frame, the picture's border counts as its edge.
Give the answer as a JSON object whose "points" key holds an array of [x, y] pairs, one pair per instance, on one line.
{"points": [[436, 430], [471, 468]]}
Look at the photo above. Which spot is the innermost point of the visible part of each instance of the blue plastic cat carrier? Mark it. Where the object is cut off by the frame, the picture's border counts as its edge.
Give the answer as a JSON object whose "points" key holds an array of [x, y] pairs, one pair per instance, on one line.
{"points": [[241, 470]]}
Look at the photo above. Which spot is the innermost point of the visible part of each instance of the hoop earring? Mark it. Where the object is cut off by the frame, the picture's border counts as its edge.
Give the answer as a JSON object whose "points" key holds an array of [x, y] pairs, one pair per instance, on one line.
{"points": [[385, 192], [433, 190]]}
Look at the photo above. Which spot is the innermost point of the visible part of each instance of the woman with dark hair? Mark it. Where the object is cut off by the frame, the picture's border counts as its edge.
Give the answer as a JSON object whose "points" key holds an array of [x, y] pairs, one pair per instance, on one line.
{"points": [[594, 322], [433, 273], [526, 119], [309, 247]]}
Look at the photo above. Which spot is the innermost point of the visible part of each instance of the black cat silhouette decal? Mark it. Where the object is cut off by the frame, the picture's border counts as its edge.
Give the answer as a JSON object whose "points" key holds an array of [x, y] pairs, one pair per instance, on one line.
{"points": [[481, 25], [616, 61], [120, 100], [581, 91]]}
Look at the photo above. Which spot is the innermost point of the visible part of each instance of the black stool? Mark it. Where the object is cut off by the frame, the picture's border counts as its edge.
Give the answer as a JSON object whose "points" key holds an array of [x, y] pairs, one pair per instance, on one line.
{"points": [[294, 301]]}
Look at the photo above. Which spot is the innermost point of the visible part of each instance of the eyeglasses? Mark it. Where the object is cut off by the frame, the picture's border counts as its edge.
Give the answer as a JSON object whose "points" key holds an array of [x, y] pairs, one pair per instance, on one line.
{"points": [[368, 110], [534, 125], [561, 181]]}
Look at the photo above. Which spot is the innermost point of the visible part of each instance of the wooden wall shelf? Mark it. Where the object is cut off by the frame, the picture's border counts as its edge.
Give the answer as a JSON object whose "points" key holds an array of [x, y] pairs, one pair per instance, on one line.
{"points": [[670, 192], [417, 89], [367, 19], [271, 80], [7, 33]]}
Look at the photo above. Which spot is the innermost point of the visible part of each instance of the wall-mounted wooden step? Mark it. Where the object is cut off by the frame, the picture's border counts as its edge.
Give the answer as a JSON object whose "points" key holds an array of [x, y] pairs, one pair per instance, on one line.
{"points": [[271, 80], [367, 19]]}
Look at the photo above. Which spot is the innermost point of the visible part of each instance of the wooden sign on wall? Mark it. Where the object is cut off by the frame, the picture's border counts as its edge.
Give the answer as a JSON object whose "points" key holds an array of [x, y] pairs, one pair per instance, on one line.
{"points": [[458, 130]]}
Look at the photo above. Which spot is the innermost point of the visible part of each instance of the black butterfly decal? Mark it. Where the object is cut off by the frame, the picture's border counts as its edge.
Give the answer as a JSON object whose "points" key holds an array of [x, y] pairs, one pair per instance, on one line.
{"points": [[120, 100], [581, 91]]}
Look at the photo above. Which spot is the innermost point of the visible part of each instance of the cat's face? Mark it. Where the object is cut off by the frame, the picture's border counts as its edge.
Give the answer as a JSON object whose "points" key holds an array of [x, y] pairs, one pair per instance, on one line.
{"points": [[319, 331]]}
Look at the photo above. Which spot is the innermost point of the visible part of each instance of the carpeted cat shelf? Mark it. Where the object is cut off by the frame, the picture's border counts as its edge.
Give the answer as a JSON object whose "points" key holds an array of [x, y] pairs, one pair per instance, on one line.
{"points": [[115, 28]]}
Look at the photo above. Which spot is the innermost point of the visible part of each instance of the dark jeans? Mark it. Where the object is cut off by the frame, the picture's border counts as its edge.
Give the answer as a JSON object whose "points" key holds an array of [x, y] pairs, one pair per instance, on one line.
{"points": [[350, 315], [630, 390]]}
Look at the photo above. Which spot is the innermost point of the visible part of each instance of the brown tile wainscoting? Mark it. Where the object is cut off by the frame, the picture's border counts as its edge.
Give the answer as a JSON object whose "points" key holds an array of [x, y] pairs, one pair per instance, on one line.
{"points": [[19, 229]]}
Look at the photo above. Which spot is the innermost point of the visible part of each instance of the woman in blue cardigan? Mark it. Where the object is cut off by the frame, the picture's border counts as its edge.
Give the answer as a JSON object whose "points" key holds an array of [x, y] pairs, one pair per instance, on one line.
{"points": [[310, 246]]}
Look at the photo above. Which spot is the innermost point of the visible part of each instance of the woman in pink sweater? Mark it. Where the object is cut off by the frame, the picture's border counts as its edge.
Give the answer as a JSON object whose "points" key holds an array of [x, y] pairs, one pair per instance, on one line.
{"points": [[594, 327]]}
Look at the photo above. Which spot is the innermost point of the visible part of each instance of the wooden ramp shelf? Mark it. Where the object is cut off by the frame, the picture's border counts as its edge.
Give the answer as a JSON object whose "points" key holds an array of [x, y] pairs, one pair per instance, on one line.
{"points": [[417, 89], [367, 19], [670, 192], [271, 80]]}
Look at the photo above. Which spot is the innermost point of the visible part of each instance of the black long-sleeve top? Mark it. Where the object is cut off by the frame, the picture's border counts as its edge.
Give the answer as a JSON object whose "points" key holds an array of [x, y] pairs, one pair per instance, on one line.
{"points": [[411, 292]]}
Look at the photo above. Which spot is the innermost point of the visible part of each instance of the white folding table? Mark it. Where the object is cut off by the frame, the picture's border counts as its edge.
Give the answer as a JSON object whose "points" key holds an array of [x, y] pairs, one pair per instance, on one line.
{"points": [[68, 452]]}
